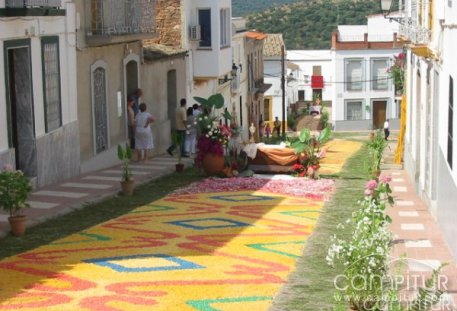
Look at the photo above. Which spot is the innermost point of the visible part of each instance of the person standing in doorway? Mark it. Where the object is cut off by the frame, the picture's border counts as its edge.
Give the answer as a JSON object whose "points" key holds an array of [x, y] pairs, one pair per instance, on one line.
{"points": [[386, 129], [277, 127], [131, 122], [143, 133], [136, 97], [181, 120]]}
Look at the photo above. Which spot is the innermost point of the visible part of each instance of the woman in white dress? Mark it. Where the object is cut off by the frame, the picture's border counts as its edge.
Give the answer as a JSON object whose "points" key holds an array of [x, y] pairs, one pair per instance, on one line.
{"points": [[191, 134], [143, 133]]}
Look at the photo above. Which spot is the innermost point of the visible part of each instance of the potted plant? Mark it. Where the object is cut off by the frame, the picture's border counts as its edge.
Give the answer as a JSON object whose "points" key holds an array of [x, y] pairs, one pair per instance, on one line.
{"points": [[127, 182], [177, 141], [14, 191]]}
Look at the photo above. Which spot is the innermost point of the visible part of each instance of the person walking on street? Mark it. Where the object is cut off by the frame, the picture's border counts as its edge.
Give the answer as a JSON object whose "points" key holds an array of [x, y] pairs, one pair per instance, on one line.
{"points": [[143, 133], [268, 130], [277, 126], [181, 127], [386, 129], [261, 128], [191, 132]]}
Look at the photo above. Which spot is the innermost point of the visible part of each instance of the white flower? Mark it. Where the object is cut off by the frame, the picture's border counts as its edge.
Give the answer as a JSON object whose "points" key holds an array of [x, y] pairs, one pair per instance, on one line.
{"points": [[206, 117], [209, 126]]}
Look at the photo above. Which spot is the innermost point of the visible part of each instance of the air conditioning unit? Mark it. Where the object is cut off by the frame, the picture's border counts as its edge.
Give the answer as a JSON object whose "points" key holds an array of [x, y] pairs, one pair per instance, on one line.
{"points": [[195, 33]]}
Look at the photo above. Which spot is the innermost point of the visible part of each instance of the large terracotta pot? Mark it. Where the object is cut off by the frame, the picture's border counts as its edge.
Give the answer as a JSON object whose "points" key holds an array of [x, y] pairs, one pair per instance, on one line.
{"points": [[213, 164], [18, 225]]}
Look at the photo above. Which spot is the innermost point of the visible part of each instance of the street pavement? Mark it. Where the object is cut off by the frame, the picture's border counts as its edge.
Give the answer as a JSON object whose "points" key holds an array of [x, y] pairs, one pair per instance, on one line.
{"points": [[75, 193]]}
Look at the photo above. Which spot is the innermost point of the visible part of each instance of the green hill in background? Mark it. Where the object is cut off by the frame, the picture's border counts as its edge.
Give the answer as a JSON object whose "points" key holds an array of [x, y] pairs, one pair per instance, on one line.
{"points": [[308, 24], [245, 7]]}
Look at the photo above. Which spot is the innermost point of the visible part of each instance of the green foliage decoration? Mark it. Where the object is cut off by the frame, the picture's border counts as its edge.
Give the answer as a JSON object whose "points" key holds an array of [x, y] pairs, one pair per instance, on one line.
{"points": [[14, 190], [125, 154]]}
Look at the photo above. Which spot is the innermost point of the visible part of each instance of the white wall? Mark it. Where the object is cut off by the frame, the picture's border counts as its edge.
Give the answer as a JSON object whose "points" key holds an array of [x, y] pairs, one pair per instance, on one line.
{"points": [[272, 75], [367, 95], [306, 59], [212, 62], [3, 118]]}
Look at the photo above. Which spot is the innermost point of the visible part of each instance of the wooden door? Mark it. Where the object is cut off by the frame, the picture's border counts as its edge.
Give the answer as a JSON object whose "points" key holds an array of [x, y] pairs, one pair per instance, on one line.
{"points": [[379, 113]]}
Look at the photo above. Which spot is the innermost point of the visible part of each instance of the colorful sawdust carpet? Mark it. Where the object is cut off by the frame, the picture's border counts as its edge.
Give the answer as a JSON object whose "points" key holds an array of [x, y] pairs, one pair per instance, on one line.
{"points": [[202, 251]]}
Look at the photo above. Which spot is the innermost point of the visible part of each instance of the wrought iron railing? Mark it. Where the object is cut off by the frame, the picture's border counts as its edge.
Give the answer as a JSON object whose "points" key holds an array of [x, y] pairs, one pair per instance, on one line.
{"points": [[415, 33], [115, 17], [33, 3]]}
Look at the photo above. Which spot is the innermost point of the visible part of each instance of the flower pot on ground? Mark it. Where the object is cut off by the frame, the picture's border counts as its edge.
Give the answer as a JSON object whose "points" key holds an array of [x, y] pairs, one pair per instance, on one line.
{"points": [[14, 191], [18, 224], [179, 167], [127, 182], [128, 186]]}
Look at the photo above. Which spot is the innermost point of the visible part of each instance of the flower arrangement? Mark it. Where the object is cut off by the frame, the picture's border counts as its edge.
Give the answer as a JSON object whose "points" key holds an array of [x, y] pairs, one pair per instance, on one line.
{"points": [[212, 135], [14, 190], [397, 72], [298, 170], [364, 255], [212, 139], [308, 147]]}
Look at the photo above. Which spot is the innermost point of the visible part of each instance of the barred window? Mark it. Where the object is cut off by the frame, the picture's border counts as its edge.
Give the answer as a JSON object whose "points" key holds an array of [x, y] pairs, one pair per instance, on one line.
{"points": [[354, 110], [51, 82]]}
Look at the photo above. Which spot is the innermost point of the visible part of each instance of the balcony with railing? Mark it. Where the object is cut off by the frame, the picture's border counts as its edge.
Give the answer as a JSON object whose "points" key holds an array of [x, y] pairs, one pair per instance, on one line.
{"points": [[414, 33], [32, 8], [114, 18]]}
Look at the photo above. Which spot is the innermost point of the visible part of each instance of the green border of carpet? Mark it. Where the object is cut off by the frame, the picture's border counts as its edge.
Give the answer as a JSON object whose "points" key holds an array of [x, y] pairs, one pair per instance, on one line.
{"points": [[95, 213], [310, 286]]}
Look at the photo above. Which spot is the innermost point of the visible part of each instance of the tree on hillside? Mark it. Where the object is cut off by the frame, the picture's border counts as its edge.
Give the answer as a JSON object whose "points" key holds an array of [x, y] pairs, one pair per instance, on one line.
{"points": [[309, 24]]}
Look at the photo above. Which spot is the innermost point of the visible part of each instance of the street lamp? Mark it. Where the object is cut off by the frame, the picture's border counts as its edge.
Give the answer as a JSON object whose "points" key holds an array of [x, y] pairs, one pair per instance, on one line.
{"points": [[234, 70], [386, 7]]}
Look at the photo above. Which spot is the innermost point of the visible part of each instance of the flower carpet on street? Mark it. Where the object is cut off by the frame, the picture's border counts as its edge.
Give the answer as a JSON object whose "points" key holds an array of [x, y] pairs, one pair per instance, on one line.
{"points": [[337, 152], [231, 248]]}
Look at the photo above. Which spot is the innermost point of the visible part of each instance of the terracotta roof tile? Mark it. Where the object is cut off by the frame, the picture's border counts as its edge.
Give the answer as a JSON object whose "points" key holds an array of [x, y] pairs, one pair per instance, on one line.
{"points": [[272, 45]]}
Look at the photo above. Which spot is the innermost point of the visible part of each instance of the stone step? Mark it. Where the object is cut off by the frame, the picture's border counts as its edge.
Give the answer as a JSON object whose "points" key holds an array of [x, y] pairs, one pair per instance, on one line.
{"points": [[391, 166]]}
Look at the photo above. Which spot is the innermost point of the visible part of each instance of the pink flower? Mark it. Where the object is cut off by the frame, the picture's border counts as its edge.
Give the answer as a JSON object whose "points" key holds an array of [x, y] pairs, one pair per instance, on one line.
{"points": [[8, 168], [322, 153], [371, 185], [368, 192], [385, 179]]}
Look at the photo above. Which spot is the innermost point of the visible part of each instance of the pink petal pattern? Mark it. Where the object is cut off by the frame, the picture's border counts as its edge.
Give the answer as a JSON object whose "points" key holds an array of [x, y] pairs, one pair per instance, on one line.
{"points": [[319, 189]]}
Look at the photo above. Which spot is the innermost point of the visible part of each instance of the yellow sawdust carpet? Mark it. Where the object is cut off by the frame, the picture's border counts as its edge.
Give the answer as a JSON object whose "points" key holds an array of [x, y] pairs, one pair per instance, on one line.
{"points": [[337, 152], [229, 250]]}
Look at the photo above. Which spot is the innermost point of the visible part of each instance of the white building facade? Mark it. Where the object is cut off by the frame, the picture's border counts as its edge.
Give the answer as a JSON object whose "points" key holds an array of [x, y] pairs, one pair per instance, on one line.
{"points": [[363, 91], [429, 154], [39, 131], [313, 79], [273, 69], [207, 38]]}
